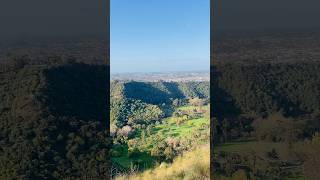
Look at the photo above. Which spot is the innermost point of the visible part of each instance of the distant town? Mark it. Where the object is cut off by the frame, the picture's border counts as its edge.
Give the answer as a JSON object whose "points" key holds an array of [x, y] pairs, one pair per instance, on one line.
{"points": [[198, 76]]}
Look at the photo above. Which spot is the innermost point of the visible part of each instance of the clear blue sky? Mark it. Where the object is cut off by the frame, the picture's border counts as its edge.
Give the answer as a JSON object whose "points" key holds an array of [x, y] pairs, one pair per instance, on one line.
{"points": [[159, 35]]}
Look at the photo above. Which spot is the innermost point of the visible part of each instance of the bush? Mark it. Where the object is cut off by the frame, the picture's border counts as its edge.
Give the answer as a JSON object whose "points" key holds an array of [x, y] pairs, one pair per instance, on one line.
{"points": [[169, 153], [133, 152], [316, 138]]}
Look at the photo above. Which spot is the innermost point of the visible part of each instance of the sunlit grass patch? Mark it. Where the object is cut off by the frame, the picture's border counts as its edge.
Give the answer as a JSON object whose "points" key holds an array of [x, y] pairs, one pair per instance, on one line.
{"points": [[170, 128], [144, 159], [193, 164]]}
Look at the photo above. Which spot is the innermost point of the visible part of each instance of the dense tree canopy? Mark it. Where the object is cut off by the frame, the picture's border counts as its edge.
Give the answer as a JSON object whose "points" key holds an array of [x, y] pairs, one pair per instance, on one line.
{"points": [[51, 122]]}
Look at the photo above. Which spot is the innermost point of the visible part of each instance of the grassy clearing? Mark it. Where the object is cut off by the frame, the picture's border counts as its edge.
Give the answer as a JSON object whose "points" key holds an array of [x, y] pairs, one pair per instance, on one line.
{"points": [[185, 129], [170, 128], [125, 161], [190, 108]]}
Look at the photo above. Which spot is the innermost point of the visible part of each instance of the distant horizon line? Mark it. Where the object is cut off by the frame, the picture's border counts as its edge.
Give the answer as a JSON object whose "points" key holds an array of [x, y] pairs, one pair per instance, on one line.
{"points": [[150, 72]]}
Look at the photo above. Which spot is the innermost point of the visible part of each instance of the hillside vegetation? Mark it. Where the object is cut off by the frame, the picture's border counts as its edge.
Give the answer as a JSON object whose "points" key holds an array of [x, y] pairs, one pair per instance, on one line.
{"points": [[51, 122], [194, 164], [266, 114], [154, 122]]}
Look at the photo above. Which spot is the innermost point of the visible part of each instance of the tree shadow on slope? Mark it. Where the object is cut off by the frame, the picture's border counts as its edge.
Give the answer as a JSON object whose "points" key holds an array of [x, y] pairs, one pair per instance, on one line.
{"points": [[174, 90], [145, 92], [79, 91], [223, 107], [76, 96], [222, 102]]}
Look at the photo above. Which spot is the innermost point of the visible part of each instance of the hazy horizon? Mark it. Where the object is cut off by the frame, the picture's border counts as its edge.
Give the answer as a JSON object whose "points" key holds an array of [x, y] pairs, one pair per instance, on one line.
{"points": [[163, 72]]}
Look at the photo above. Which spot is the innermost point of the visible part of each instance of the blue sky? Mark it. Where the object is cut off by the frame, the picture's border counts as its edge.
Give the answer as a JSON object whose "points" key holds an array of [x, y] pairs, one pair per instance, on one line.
{"points": [[159, 35]]}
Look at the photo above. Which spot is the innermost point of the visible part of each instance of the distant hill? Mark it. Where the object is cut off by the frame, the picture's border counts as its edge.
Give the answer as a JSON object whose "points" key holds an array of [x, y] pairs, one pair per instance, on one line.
{"points": [[159, 92]]}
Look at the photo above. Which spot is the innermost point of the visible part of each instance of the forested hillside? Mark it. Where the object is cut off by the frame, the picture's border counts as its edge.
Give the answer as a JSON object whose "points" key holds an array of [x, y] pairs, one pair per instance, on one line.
{"points": [[152, 123], [266, 98], [150, 101], [160, 92], [52, 122], [263, 88]]}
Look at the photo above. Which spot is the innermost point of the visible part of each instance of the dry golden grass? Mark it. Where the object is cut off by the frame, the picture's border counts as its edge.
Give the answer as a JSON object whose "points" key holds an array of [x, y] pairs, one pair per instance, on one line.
{"points": [[194, 164]]}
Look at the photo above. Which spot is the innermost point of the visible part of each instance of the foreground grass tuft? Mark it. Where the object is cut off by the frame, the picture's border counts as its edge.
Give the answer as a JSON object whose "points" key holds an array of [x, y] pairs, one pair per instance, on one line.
{"points": [[194, 164]]}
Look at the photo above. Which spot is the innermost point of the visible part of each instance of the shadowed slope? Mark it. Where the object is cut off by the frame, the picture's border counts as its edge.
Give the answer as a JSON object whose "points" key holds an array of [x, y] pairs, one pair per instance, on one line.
{"points": [[53, 122]]}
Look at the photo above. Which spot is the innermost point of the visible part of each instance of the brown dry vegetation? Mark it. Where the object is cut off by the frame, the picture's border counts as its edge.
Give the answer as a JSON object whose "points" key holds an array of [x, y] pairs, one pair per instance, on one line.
{"points": [[194, 164]]}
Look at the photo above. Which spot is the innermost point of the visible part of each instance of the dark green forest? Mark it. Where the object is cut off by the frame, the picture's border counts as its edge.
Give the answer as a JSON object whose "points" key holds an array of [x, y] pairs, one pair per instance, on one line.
{"points": [[53, 121]]}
